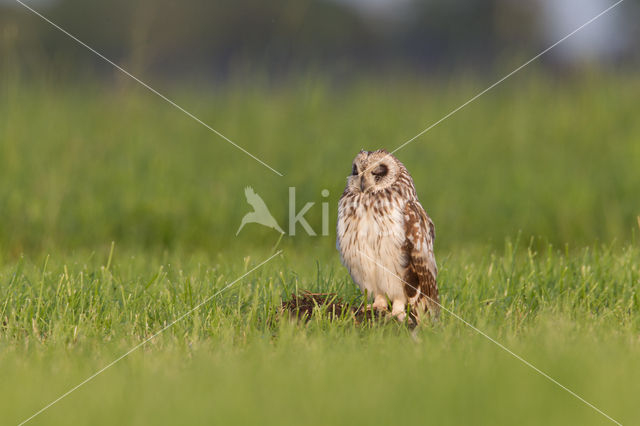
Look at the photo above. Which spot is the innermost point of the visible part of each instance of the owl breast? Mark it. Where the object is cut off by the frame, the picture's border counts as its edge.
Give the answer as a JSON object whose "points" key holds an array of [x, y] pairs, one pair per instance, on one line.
{"points": [[370, 235]]}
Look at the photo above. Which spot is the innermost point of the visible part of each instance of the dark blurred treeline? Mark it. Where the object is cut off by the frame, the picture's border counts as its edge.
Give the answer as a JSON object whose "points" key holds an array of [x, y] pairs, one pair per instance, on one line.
{"points": [[216, 39]]}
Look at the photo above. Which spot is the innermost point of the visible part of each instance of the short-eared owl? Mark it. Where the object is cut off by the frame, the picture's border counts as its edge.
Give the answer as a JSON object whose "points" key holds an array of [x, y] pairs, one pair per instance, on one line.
{"points": [[385, 238]]}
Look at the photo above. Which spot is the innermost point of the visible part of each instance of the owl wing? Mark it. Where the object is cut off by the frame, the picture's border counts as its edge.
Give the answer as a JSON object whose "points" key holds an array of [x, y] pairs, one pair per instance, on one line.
{"points": [[420, 262]]}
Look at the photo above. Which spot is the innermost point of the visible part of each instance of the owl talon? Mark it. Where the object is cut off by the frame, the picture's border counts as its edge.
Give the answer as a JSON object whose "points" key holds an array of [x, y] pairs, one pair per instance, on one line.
{"points": [[399, 310], [372, 307], [380, 304], [399, 315]]}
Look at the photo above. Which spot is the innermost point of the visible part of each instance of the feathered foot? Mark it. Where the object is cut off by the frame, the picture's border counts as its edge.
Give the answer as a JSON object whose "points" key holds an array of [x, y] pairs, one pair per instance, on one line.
{"points": [[399, 310], [379, 303]]}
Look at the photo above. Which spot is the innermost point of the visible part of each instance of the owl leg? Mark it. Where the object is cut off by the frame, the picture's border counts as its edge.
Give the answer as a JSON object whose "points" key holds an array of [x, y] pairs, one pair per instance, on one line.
{"points": [[380, 303], [399, 309]]}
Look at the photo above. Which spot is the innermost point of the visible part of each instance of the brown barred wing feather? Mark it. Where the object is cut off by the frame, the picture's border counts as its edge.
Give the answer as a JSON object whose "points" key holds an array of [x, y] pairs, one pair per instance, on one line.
{"points": [[419, 260]]}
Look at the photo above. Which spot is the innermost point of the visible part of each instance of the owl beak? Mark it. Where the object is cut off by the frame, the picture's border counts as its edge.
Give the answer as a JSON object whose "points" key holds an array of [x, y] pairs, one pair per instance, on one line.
{"points": [[365, 183]]}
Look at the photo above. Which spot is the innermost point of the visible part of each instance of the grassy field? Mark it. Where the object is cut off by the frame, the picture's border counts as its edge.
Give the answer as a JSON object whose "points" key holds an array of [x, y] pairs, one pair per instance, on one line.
{"points": [[118, 214]]}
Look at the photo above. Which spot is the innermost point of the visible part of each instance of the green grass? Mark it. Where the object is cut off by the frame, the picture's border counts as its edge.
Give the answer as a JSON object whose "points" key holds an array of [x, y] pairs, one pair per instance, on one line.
{"points": [[533, 190], [87, 165], [235, 360]]}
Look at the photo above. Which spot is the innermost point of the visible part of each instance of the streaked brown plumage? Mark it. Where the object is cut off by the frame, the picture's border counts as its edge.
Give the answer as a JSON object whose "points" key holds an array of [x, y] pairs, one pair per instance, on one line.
{"points": [[385, 237]]}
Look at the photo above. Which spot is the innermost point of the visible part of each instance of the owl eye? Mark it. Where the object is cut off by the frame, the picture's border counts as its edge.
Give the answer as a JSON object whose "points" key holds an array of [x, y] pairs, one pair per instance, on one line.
{"points": [[380, 171], [354, 171]]}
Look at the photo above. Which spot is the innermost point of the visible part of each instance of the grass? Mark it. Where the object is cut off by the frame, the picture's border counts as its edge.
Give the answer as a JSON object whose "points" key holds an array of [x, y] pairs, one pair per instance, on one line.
{"points": [[90, 165], [533, 190]]}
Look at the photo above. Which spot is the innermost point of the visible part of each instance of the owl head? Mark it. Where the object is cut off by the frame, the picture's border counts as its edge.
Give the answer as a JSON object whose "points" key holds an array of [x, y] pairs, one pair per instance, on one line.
{"points": [[374, 171]]}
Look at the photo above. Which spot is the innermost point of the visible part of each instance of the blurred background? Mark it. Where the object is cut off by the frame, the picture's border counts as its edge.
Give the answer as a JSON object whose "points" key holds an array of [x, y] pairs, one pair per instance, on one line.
{"points": [[87, 156], [215, 40]]}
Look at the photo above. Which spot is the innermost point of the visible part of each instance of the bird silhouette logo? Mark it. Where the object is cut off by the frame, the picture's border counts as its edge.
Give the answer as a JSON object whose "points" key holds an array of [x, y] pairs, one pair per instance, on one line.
{"points": [[260, 213]]}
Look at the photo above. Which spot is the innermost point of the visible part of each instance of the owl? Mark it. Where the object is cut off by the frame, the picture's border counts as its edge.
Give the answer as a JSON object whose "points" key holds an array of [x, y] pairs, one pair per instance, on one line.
{"points": [[385, 237]]}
